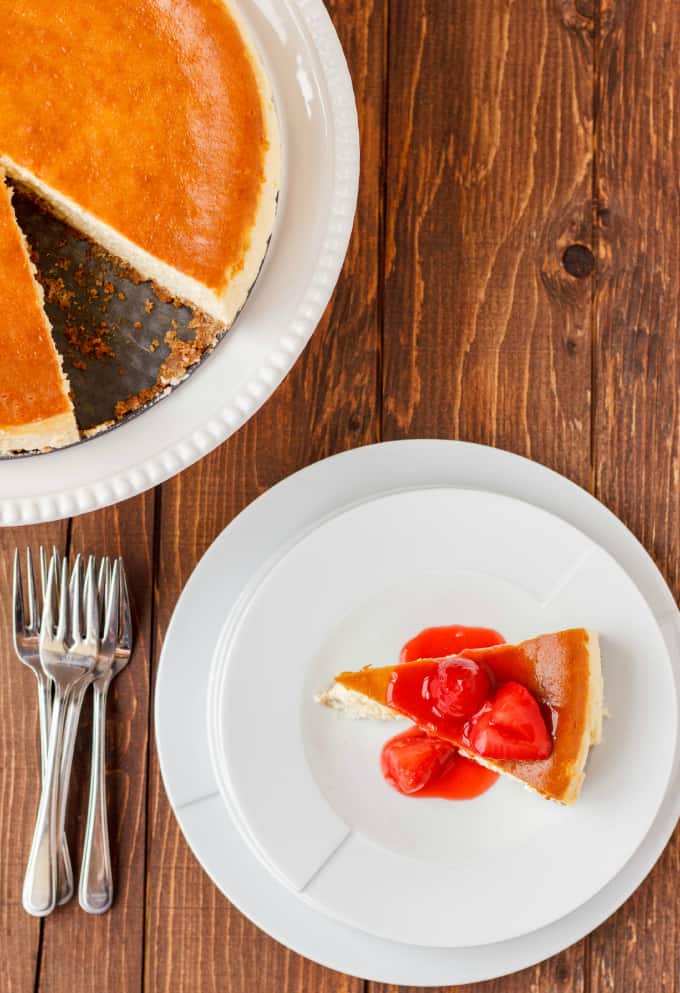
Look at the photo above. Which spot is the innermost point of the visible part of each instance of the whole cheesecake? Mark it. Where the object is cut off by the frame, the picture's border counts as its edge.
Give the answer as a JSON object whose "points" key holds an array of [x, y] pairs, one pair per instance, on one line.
{"points": [[149, 126]]}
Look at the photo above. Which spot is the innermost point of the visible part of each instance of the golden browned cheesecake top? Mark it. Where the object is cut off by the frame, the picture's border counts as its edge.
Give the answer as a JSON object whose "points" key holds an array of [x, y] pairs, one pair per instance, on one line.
{"points": [[31, 384], [147, 114]]}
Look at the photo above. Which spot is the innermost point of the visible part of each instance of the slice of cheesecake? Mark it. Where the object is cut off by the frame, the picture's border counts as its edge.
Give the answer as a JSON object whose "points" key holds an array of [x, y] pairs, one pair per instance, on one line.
{"points": [[563, 673], [35, 408]]}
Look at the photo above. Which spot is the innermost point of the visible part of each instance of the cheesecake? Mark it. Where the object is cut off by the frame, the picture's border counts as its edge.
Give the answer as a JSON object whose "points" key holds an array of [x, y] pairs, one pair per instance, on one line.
{"points": [[35, 408], [556, 678], [150, 128]]}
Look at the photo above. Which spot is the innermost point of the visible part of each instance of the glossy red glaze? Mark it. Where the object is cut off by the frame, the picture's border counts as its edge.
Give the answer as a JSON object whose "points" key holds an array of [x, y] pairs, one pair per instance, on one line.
{"points": [[409, 690], [412, 760], [445, 774], [510, 726], [463, 779], [437, 642], [417, 688], [460, 687], [409, 693], [413, 688]]}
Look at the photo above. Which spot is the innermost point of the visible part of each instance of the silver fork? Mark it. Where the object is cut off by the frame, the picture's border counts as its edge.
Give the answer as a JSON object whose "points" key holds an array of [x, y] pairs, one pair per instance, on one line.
{"points": [[95, 892], [27, 648], [74, 705], [67, 653]]}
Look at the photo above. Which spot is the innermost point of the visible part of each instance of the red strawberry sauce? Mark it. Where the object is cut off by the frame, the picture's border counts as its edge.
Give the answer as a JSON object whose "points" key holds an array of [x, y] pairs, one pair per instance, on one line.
{"points": [[453, 699], [436, 643], [456, 777]]}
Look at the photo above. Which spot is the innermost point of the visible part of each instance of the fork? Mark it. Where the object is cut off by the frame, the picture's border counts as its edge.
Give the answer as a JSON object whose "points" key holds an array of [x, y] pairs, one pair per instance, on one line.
{"points": [[67, 654], [95, 892], [27, 648], [77, 696]]}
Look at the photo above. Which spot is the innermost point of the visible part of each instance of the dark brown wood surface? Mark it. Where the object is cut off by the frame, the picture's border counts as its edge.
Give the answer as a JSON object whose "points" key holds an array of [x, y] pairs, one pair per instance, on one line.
{"points": [[513, 279]]}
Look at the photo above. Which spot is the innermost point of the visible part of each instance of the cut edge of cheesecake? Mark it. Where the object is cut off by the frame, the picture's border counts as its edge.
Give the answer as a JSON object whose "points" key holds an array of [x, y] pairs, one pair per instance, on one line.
{"points": [[236, 292], [358, 705], [222, 304], [60, 429], [40, 436]]}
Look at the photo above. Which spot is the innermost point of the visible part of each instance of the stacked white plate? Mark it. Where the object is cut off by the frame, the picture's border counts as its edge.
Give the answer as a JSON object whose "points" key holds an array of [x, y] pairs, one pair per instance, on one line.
{"points": [[282, 801]]}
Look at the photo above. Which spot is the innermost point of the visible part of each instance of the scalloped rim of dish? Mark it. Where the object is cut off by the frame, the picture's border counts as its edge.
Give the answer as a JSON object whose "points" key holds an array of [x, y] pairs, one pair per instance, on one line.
{"points": [[224, 422]]}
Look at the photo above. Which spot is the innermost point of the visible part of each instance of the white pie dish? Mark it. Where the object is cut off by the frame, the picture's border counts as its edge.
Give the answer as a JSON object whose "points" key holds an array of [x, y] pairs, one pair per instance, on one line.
{"points": [[319, 180]]}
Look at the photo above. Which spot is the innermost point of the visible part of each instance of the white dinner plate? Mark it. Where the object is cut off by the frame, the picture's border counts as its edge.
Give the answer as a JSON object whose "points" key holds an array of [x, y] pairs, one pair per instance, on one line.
{"points": [[244, 553], [307, 784], [320, 169]]}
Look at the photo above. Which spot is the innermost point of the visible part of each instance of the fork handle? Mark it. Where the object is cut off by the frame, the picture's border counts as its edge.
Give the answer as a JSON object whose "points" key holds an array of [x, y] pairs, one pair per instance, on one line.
{"points": [[44, 716], [40, 882], [64, 869], [71, 721], [95, 892]]}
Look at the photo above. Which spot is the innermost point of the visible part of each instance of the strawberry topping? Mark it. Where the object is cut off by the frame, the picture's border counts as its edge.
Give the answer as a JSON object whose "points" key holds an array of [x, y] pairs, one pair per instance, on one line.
{"points": [[510, 726], [459, 687], [410, 761]]}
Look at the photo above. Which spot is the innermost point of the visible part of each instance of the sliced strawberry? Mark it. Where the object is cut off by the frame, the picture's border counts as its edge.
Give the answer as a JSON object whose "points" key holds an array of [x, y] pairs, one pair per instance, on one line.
{"points": [[459, 687], [411, 760], [510, 726]]}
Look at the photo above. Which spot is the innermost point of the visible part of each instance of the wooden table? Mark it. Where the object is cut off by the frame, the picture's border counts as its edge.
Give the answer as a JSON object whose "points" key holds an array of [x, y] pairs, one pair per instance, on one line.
{"points": [[513, 279]]}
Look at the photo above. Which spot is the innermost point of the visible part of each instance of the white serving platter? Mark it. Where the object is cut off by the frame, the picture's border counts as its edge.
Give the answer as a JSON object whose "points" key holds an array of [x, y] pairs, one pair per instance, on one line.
{"points": [[320, 169]]}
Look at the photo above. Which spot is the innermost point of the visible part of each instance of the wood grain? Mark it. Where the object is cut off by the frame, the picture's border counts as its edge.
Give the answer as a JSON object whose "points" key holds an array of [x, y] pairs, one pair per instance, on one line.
{"points": [[637, 385], [489, 173], [194, 938], [19, 773], [512, 279], [487, 336]]}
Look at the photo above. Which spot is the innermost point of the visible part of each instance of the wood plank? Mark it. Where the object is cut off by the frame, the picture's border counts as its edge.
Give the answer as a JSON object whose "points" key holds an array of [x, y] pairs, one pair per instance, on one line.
{"points": [[489, 171], [104, 953], [19, 773], [194, 938], [637, 385], [487, 330]]}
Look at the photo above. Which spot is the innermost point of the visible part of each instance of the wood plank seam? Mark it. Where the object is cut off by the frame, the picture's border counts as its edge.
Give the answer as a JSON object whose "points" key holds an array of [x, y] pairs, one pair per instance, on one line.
{"points": [[595, 277], [595, 246], [636, 452], [153, 634], [66, 551], [382, 241]]}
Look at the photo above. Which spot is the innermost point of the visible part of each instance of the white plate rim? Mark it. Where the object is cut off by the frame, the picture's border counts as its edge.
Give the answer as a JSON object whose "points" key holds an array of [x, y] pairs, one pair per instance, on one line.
{"points": [[55, 501], [408, 463]]}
